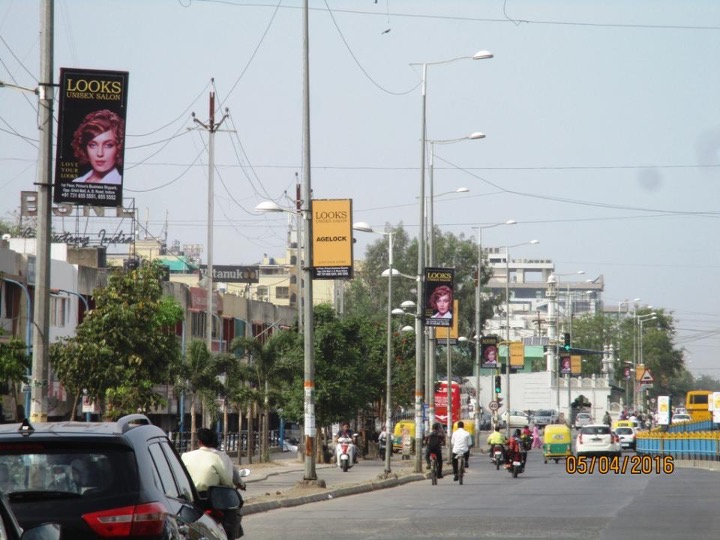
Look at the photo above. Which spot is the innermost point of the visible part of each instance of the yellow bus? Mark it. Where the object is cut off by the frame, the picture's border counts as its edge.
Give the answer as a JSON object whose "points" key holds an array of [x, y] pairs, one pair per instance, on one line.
{"points": [[696, 404]]}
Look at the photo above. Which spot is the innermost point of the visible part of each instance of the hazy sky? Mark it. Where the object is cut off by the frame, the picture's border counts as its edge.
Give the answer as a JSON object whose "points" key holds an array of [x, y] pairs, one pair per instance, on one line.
{"points": [[602, 123]]}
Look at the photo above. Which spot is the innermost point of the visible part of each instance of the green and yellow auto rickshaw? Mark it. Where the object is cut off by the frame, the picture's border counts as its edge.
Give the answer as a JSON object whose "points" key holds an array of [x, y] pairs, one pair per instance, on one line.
{"points": [[557, 442]]}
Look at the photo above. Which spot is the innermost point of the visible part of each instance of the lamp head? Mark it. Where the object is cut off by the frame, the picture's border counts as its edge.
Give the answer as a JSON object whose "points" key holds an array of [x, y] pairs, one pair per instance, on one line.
{"points": [[362, 226], [476, 135], [482, 55], [268, 206]]}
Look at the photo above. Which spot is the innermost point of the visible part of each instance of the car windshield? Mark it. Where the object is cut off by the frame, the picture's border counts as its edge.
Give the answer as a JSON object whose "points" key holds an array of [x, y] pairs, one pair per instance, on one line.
{"points": [[595, 430], [543, 413], [624, 431], [69, 472]]}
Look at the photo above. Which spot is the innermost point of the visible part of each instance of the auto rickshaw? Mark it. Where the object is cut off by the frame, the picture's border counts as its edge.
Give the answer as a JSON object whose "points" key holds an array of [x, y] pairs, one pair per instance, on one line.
{"points": [[557, 442], [404, 429]]}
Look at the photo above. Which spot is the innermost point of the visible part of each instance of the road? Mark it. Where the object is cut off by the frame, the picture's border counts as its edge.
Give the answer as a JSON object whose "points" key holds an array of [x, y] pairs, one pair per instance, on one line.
{"points": [[544, 502]]}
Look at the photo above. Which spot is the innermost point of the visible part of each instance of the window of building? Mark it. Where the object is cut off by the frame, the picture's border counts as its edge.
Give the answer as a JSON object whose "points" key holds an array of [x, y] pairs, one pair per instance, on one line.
{"points": [[262, 293], [58, 311], [282, 293]]}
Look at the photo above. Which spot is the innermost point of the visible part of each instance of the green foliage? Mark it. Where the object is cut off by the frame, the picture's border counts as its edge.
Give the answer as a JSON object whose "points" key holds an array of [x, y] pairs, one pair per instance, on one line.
{"points": [[14, 361], [125, 346]]}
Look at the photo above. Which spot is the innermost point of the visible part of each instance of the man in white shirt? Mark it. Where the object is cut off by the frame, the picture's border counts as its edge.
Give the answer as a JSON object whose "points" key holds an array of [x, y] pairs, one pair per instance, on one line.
{"points": [[460, 442], [206, 466]]}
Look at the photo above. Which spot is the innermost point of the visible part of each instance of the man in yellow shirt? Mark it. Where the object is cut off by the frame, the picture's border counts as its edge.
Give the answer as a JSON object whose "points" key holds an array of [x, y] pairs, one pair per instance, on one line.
{"points": [[205, 466]]}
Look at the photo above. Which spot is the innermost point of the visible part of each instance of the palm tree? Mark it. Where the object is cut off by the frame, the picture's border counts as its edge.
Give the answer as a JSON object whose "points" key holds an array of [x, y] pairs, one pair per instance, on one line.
{"points": [[198, 376], [265, 360]]}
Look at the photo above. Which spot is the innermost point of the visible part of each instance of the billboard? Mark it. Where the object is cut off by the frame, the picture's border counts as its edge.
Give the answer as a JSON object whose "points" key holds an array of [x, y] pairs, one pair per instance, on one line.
{"points": [[233, 273], [517, 354], [489, 354], [332, 239], [438, 307], [565, 363], [91, 137], [441, 402]]}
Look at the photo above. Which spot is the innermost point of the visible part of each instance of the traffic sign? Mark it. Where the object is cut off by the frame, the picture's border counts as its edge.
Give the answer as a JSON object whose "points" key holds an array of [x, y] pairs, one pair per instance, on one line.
{"points": [[493, 406], [647, 377]]}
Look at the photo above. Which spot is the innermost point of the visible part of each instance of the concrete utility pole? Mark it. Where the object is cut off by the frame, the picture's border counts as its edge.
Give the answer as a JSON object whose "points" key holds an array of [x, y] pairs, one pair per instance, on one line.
{"points": [[211, 127], [41, 318]]}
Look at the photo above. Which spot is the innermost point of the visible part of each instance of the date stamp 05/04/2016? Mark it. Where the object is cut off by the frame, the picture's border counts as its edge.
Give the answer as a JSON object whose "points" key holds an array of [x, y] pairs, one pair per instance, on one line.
{"points": [[634, 464]]}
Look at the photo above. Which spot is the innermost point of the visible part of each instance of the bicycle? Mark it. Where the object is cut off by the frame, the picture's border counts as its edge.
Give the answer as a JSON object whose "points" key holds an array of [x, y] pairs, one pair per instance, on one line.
{"points": [[433, 469]]}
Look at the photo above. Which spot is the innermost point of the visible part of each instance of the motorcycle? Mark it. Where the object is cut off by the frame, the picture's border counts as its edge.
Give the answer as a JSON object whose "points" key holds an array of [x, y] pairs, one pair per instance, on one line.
{"points": [[515, 463], [497, 455], [345, 453], [231, 520]]}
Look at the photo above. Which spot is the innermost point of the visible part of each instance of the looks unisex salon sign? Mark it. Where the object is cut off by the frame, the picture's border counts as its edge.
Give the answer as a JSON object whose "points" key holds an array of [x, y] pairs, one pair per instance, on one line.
{"points": [[91, 137], [332, 240]]}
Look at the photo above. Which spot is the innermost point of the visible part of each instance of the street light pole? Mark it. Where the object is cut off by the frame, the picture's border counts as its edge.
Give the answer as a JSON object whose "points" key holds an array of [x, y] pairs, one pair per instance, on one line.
{"points": [[419, 323], [361, 226], [641, 319], [507, 324], [28, 335], [478, 322]]}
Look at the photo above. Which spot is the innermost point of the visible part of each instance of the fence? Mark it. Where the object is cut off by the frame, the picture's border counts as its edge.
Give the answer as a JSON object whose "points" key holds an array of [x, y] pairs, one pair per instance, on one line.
{"points": [[231, 445], [701, 445]]}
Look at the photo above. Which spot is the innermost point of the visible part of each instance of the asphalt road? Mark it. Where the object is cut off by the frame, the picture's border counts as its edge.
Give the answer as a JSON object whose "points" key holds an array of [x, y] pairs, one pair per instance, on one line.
{"points": [[544, 502]]}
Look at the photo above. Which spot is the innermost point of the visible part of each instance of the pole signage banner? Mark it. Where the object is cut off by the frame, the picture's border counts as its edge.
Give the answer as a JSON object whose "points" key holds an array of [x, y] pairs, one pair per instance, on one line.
{"points": [[332, 242], [565, 365], [576, 364], [517, 354], [233, 274], [91, 137], [489, 352], [663, 410], [438, 309]]}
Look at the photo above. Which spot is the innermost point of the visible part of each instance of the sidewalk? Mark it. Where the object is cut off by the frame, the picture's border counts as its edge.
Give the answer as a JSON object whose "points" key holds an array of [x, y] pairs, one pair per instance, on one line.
{"points": [[280, 484]]}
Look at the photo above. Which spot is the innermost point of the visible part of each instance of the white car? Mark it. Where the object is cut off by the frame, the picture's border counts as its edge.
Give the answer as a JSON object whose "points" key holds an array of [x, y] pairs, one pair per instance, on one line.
{"points": [[596, 439], [681, 417], [517, 419], [626, 434], [582, 419]]}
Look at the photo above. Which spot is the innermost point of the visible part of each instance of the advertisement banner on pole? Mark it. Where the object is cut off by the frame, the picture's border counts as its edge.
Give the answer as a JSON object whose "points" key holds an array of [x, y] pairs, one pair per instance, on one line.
{"points": [[91, 137], [575, 364], [439, 284], [715, 404], [517, 354], [489, 352], [332, 242], [565, 363]]}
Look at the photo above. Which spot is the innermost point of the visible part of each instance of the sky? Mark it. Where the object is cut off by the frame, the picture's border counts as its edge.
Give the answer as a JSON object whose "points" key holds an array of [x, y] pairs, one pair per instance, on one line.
{"points": [[602, 124]]}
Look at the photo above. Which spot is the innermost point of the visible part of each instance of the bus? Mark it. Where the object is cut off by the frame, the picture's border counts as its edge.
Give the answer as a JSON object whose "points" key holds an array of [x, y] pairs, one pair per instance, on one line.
{"points": [[697, 404]]}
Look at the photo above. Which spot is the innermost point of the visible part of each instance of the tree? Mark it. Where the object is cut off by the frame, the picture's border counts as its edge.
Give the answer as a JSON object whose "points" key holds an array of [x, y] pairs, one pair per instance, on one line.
{"points": [[266, 363], [14, 364], [125, 346]]}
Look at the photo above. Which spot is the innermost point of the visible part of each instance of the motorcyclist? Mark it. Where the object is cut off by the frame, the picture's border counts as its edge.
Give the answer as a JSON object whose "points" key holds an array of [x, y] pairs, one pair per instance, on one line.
{"points": [[513, 449], [347, 433], [435, 441], [496, 437]]}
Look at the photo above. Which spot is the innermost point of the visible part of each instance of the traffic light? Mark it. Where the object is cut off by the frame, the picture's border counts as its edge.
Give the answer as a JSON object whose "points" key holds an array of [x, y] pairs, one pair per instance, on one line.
{"points": [[498, 385], [567, 345]]}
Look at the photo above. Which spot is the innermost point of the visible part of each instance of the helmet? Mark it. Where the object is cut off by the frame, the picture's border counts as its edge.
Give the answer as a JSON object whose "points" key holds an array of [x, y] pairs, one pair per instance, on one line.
{"points": [[436, 426], [517, 432]]}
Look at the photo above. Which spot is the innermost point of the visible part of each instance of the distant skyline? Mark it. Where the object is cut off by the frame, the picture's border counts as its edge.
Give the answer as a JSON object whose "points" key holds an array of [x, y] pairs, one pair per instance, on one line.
{"points": [[602, 124]]}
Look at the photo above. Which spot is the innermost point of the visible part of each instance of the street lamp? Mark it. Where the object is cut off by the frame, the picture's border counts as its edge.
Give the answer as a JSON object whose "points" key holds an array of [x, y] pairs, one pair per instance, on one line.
{"points": [[28, 336], [419, 323], [478, 321], [507, 323], [310, 474], [626, 303], [364, 227], [641, 319]]}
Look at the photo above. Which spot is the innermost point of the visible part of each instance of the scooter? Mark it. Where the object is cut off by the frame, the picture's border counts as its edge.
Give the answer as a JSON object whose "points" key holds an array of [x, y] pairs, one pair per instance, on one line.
{"points": [[345, 453], [231, 520], [497, 455]]}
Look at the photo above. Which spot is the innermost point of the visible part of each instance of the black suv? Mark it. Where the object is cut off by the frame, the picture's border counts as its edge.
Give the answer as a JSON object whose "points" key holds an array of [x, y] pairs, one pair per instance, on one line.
{"points": [[118, 479]]}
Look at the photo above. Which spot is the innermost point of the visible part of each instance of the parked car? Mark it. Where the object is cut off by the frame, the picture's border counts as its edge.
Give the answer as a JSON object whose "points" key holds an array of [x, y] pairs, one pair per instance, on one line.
{"points": [[543, 417], [626, 434], [120, 479], [596, 439], [583, 419], [515, 419], [682, 417]]}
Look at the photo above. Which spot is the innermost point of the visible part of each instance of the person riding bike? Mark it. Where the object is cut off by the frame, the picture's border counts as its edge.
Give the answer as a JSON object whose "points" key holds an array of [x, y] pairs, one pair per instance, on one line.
{"points": [[435, 441], [513, 449], [460, 442], [497, 437], [347, 433]]}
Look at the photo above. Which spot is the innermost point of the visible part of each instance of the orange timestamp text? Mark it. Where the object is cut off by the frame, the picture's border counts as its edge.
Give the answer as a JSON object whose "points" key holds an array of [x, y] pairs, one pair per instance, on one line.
{"points": [[634, 464]]}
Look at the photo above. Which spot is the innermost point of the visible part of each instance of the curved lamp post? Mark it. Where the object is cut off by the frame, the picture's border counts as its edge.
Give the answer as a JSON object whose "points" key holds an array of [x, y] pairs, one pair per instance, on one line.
{"points": [[364, 227], [480, 55]]}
